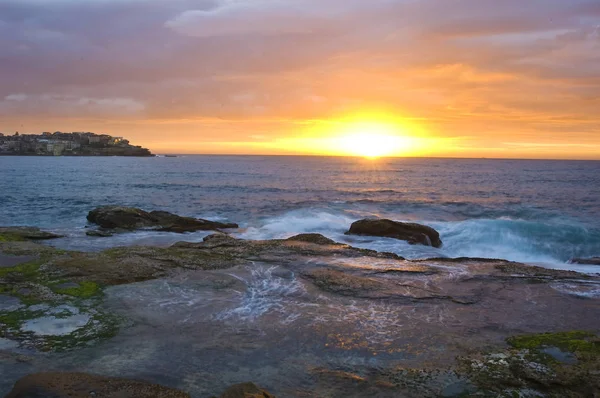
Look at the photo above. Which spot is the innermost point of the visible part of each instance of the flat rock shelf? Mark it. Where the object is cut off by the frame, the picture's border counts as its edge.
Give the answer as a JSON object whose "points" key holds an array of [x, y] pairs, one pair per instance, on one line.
{"points": [[300, 317]]}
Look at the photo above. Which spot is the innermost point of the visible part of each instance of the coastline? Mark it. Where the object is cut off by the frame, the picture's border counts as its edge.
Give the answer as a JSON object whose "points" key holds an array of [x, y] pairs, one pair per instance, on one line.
{"points": [[76, 155]]}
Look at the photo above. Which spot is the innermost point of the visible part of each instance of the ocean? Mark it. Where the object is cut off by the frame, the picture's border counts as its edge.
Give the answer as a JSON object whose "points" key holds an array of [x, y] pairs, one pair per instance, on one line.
{"points": [[541, 212]]}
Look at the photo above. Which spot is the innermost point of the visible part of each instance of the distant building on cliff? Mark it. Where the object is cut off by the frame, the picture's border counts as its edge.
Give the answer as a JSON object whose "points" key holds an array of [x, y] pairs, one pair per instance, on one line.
{"points": [[68, 144]]}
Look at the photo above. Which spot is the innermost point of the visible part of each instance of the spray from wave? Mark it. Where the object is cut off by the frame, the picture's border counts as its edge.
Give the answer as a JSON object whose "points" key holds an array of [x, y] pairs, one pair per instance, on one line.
{"points": [[552, 242]]}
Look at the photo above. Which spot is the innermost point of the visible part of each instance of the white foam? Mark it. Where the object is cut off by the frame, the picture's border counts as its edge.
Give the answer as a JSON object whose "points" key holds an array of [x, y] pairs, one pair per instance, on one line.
{"points": [[79, 240], [265, 293], [579, 289], [297, 222], [546, 244]]}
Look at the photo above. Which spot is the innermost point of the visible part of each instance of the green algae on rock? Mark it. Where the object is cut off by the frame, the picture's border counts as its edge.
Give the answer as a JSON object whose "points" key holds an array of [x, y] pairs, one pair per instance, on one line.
{"points": [[84, 289], [581, 343], [57, 326], [530, 369]]}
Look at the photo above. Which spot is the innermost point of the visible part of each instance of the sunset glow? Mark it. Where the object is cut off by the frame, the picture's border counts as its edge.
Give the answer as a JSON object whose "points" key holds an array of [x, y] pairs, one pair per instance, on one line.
{"points": [[373, 140], [296, 77], [371, 145]]}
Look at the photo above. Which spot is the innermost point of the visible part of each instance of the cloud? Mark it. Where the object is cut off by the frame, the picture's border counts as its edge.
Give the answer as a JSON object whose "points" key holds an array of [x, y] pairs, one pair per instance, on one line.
{"points": [[68, 105], [456, 64], [241, 18]]}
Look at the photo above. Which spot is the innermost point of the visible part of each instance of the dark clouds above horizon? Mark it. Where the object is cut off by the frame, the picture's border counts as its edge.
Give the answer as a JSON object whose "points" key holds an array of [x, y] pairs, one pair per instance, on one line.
{"points": [[488, 72]]}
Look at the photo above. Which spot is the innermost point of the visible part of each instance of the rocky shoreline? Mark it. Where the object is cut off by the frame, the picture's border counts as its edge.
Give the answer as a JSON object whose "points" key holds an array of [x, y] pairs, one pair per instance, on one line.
{"points": [[303, 317]]}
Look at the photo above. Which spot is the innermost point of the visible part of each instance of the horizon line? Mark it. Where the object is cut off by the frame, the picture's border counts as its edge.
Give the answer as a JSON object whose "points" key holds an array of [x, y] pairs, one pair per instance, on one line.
{"points": [[376, 158]]}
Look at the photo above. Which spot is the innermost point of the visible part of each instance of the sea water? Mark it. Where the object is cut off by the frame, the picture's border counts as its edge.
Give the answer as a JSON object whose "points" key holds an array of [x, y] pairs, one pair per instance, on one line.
{"points": [[535, 211]]}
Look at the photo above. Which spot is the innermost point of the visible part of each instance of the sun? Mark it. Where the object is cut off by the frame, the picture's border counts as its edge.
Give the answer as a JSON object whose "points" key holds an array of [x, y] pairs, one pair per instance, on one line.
{"points": [[374, 140], [370, 145]]}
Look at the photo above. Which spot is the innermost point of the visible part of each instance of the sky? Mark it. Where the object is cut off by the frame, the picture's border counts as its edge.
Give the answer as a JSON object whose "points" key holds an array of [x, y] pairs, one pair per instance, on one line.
{"points": [[458, 78]]}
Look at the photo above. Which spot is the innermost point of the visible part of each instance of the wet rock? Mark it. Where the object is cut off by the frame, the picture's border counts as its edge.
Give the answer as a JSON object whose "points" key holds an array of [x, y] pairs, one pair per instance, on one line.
{"points": [[136, 264], [285, 250], [173, 223], [462, 260], [24, 291], [524, 270], [317, 239], [586, 261], [562, 364], [459, 389], [67, 285], [121, 217], [246, 390], [343, 283], [130, 218], [12, 261], [23, 248], [216, 240], [99, 233], [6, 344], [410, 232], [25, 233], [81, 385], [9, 303], [561, 356], [284, 274]]}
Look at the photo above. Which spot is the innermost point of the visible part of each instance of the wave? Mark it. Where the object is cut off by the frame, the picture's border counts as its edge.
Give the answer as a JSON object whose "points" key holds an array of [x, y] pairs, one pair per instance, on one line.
{"points": [[297, 222], [551, 243], [554, 241]]}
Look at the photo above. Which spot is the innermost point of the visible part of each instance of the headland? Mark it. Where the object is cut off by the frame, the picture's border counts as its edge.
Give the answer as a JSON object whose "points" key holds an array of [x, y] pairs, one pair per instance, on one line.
{"points": [[68, 144]]}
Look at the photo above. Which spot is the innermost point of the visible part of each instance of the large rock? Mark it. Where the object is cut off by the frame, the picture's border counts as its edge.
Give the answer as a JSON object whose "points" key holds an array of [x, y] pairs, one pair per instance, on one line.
{"points": [[343, 283], [246, 390], [316, 239], [25, 233], [81, 385], [586, 261], [410, 232], [131, 218]]}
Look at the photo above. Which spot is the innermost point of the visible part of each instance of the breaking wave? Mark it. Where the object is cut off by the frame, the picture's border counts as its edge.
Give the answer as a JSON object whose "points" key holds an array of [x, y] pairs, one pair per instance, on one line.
{"points": [[553, 242]]}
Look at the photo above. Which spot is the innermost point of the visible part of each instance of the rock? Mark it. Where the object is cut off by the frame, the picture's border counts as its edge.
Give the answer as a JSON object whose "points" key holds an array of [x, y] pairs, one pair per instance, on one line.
{"points": [[121, 217], [9, 303], [25, 233], [99, 233], [174, 223], [130, 218], [68, 285], [132, 264], [81, 385], [462, 388], [343, 283], [13, 261], [586, 261], [410, 232], [246, 390], [317, 239]]}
